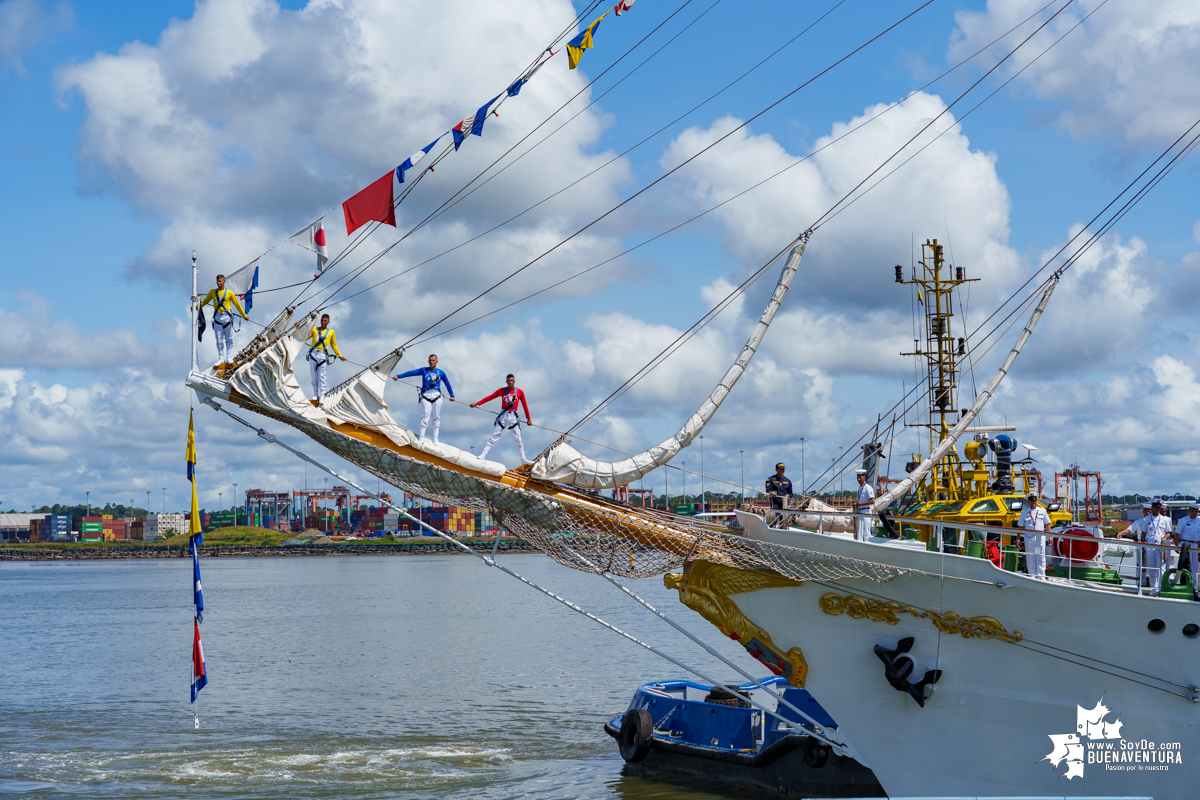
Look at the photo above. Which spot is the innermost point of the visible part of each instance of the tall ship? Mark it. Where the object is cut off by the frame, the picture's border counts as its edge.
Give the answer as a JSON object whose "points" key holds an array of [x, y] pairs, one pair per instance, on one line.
{"points": [[949, 674]]}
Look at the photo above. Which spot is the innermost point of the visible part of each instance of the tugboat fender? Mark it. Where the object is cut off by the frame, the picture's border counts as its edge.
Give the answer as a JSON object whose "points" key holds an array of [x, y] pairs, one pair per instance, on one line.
{"points": [[767, 755], [633, 740], [816, 752]]}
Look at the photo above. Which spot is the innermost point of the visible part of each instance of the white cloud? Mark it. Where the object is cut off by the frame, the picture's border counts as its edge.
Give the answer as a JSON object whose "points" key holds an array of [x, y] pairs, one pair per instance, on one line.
{"points": [[243, 123], [246, 121], [1126, 74], [23, 25], [37, 337], [845, 313]]}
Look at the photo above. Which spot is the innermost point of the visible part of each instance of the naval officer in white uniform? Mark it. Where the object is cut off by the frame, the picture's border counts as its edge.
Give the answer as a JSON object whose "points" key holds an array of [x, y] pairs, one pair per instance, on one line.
{"points": [[1157, 530], [1137, 527], [1035, 519], [866, 498], [1188, 530]]}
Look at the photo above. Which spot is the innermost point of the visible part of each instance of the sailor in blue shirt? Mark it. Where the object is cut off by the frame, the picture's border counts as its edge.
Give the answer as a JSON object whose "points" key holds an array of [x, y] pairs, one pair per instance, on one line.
{"points": [[430, 394], [778, 487]]}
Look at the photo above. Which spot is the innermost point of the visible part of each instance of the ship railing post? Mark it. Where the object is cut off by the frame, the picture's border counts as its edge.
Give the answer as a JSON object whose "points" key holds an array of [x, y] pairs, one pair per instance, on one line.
{"points": [[821, 522], [1071, 561], [1138, 575]]}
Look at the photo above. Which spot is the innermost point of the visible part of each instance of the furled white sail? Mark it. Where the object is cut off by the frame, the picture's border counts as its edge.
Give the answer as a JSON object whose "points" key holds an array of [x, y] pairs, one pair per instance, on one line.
{"points": [[946, 444], [563, 464], [270, 382]]}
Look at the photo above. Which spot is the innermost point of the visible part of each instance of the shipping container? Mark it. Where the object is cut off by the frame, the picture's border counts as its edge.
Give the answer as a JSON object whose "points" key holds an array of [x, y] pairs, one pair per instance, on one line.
{"points": [[106, 516]]}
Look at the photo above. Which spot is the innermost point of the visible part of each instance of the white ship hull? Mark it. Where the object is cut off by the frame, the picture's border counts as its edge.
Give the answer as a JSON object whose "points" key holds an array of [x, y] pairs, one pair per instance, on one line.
{"points": [[985, 731]]}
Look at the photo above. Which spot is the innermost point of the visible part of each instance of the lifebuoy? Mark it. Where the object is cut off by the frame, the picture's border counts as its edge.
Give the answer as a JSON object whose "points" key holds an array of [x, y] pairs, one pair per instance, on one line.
{"points": [[637, 728], [1076, 549], [816, 753]]}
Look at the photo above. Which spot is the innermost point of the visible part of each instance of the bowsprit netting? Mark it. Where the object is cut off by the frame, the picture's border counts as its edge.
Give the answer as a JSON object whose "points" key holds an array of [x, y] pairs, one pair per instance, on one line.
{"points": [[581, 531]]}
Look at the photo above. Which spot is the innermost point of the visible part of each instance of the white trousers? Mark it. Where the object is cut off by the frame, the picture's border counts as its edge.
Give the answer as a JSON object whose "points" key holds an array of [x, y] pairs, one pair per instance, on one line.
{"points": [[1035, 555], [318, 369], [1195, 556], [430, 412], [1152, 568], [223, 332], [866, 528], [506, 420]]}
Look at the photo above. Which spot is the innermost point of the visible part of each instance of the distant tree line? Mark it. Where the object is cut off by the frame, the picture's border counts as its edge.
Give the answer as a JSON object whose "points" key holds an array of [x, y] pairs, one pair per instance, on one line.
{"points": [[117, 510]]}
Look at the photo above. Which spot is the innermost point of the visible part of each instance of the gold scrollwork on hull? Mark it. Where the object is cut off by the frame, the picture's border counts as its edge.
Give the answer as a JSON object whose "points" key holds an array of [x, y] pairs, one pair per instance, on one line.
{"points": [[705, 587], [982, 627]]}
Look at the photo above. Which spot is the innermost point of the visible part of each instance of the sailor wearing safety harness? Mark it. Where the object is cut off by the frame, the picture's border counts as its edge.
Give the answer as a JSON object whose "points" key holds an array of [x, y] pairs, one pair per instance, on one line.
{"points": [[866, 498], [432, 379], [1034, 518], [1158, 528], [224, 303], [509, 396], [1188, 530], [321, 340]]}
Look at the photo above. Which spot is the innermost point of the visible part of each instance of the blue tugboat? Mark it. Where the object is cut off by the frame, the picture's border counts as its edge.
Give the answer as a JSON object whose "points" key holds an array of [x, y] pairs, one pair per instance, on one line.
{"points": [[713, 735]]}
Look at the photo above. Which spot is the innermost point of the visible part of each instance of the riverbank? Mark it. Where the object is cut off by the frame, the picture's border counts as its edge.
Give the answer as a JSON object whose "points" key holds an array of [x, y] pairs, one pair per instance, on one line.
{"points": [[420, 545]]}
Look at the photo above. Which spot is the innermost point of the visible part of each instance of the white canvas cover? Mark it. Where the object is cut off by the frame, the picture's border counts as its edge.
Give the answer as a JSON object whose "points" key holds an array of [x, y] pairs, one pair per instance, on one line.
{"points": [[270, 382]]}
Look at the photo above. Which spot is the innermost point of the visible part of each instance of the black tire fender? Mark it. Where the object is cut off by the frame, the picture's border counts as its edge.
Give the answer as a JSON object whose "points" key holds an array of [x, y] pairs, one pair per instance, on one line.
{"points": [[637, 728], [816, 753]]}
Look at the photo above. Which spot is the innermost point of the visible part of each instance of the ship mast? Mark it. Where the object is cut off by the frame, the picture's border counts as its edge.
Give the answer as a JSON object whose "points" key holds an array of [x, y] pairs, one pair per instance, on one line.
{"points": [[935, 281]]}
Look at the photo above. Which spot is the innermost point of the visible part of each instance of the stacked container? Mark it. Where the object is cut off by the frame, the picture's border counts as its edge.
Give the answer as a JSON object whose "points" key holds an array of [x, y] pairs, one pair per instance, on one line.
{"points": [[114, 529], [56, 528], [91, 528]]}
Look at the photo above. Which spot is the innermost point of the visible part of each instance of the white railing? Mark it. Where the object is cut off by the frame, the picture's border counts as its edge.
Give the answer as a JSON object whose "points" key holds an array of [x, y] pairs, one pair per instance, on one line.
{"points": [[942, 527]]}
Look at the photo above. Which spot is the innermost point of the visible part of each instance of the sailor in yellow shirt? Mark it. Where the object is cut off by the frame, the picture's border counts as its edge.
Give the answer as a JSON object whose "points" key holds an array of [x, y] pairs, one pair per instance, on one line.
{"points": [[224, 303], [321, 340]]}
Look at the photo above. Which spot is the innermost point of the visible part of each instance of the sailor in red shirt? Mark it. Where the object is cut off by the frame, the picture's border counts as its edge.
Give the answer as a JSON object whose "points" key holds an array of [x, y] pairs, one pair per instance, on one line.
{"points": [[509, 396]]}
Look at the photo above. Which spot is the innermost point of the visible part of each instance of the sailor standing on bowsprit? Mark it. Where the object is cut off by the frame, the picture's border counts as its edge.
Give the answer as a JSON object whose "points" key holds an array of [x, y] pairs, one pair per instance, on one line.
{"points": [[321, 340], [430, 395], [224, 303], [509, 396]]}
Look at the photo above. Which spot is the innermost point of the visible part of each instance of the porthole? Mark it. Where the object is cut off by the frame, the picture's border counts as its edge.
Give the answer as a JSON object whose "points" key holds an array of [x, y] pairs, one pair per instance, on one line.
{"points": [[1157, 626], [1191, 630]]}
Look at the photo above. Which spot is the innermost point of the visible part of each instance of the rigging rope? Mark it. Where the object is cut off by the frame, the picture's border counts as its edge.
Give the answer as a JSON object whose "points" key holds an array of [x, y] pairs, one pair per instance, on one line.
{"points": [[615, 158], [675, 169], [446, 204], [372, 227], [828, 214]]}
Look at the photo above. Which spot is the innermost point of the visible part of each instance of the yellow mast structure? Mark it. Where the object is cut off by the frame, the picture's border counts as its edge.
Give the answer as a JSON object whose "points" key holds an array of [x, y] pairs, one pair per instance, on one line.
{"points": [[935, 282]]}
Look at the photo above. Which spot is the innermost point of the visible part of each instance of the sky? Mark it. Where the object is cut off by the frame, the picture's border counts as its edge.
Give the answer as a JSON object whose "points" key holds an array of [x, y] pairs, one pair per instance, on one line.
{"points": [[137, 132]]}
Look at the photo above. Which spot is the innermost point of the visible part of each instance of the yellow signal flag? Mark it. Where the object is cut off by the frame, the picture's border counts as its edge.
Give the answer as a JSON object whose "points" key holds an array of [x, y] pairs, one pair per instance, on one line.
{"points": [[582, 42], [195, 527]]}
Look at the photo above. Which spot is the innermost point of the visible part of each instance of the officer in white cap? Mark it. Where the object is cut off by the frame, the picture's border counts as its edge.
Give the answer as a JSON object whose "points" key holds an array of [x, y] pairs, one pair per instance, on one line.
{"points": [[1158, 529], [1035, 519], [1188, 530], [866, 498]]}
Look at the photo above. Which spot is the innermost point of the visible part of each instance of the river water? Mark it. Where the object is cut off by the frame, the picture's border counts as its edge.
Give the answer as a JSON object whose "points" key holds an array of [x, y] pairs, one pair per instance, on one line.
{"points": [[348, 677]]}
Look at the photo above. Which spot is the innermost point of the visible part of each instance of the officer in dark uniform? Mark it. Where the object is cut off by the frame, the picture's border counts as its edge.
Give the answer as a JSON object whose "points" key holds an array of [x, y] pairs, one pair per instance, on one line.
{"points": [[778, 487]]}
